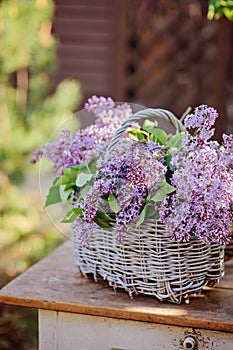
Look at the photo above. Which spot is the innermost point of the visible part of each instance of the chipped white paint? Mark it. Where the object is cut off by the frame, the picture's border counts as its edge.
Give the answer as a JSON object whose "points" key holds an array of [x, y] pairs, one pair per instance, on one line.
{"points": [[68, 331]]}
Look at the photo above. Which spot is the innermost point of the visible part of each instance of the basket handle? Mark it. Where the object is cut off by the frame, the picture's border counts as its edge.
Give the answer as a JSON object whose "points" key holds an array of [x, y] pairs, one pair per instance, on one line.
{"points": [[143, 114]]}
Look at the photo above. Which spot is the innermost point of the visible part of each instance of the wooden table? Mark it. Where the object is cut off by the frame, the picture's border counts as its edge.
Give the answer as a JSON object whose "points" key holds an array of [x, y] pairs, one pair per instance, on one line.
{"points": [[77, 313]]}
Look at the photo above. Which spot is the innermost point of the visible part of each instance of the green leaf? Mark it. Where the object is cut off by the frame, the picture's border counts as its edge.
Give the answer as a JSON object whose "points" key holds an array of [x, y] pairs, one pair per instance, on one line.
{"points": [[113, 204], [65, 193], [90, 166], [151, 212], [85, 190], [211, 12], [160, 134], [101, 222], [56, 180], [148, 125], [62, 180], [169, 188], [147, 212], [140, 134], [156, 215], [141, 217], [82, 179], [53, 196], [103, 215], [228, 13], [175, 142], [160, 194], [80, 166], [168, 158], [70, 173], [72, 215], [67, 172]]}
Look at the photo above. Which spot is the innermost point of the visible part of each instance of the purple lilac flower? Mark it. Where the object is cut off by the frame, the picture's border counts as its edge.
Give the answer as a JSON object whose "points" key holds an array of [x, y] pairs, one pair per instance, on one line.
{"points": [[130, 173], [89, 206], [203, 117], [106, 111], [129, 214], [157, 150], [227, 153], [202, 204], [71, 149], [202, 120], [98, 105], [84, 230], [143, 172]]}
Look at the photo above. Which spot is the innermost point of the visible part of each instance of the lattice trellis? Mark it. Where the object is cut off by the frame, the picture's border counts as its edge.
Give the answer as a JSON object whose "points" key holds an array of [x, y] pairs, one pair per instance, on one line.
{"points": [[175, 53]]}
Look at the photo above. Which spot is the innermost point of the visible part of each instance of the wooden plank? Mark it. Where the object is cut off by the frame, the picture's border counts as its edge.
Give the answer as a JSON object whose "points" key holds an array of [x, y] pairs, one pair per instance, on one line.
{"points": [[86, 49], [48, 337], [120, 48], [78, 37], [88, 25], [82, 41], [98, 67], [90, 61], [82, 3], [88, 11], [90, 79], [67, 50], [55, 284], [88, 88]]}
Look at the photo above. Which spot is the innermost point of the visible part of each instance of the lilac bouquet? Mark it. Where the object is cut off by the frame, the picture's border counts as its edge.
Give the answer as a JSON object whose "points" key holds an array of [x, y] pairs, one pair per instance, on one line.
{"points": [[184, 180]]}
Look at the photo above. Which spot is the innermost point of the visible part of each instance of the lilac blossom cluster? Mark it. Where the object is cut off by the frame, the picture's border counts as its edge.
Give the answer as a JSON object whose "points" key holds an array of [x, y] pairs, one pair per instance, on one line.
{"points": [[203, 202], [75, 148], [107, 111], [202, 120], [130, 174]]}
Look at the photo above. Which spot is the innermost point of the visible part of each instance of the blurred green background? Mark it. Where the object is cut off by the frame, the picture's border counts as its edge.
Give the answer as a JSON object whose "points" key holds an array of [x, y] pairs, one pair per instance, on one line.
{"points": [[30, 109]]}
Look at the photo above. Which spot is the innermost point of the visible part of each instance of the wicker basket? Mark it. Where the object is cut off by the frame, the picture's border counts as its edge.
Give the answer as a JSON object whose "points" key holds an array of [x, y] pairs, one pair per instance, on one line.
{"points": [[149, 262]]}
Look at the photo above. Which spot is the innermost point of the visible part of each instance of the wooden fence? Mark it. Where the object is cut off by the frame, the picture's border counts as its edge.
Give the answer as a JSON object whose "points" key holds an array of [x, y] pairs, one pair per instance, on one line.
{"points": [[156, 53]]}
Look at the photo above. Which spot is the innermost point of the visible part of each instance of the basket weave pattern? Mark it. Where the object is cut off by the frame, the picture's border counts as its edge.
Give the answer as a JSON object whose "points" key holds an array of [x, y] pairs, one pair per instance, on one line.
{"points": [[151, 263]]}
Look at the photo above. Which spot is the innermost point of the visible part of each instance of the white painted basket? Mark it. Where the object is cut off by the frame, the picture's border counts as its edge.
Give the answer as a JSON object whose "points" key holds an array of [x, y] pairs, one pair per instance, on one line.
{"points": [[149, 262]]}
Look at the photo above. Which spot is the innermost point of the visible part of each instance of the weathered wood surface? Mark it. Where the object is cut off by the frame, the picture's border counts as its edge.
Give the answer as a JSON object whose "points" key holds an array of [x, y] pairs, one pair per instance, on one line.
{"points": [[55, 284]]}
